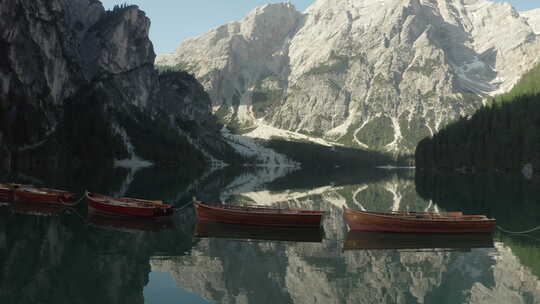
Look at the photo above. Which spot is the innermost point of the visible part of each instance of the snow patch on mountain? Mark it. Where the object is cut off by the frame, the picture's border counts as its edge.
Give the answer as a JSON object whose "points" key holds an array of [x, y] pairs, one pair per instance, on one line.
{"points": [[265, 131], [134, 162], [252, 147]]}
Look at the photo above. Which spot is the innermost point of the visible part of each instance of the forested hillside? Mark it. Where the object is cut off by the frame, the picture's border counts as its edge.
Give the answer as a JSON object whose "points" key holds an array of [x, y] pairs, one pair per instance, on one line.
{"points": [[501, 136]]}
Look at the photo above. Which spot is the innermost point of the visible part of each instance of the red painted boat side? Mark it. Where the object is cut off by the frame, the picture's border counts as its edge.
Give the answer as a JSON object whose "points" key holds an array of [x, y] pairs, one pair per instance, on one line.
{"points": [[132, 207], [43, 195], [6, 193], [378, 222], [270, 217]]}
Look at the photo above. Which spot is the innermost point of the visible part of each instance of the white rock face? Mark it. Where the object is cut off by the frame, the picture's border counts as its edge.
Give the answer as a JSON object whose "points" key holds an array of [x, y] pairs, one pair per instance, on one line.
{"points": [[533, 18], [378, 74]]}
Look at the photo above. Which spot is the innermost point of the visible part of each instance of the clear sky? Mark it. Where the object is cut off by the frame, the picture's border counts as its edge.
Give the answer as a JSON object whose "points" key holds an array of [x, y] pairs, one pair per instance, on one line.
{"points": [[176, 20]]}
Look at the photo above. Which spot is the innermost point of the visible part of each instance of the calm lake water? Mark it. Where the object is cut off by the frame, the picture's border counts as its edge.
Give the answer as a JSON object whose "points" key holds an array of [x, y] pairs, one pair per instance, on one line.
{"points": [[66, 256]]}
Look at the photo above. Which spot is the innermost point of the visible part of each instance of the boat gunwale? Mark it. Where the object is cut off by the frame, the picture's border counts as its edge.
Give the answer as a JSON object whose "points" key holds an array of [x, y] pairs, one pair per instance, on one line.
{"points": [[42, 191], [398, 218], [12, 186], [258, 212], [115, 215], [118, 202], [49, 192]]}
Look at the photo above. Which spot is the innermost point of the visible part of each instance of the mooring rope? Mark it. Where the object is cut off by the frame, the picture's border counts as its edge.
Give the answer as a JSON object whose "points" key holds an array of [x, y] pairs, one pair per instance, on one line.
{"points": [[74, 203], [73, 211], [183, 207], [518, 232]]}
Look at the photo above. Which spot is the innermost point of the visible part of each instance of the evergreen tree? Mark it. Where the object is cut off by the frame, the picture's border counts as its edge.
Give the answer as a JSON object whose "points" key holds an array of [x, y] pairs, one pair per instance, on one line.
{"points": [[503, 135]]}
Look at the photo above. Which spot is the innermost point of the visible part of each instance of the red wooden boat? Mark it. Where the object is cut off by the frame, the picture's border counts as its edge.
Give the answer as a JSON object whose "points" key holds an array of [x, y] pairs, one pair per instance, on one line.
{"points": [[6, 192], [130, 207], [454, 222], [258, 216], [43, 195]]}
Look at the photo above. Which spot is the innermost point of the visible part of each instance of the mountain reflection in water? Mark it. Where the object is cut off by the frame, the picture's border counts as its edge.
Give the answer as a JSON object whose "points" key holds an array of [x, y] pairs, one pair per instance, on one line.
{"points": [[65, 258]]}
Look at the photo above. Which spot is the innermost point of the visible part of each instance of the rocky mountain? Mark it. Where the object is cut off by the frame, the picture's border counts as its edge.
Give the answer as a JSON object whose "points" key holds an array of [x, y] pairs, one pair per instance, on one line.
{"points": [[376, 74], [533, 18], [78, 84]]}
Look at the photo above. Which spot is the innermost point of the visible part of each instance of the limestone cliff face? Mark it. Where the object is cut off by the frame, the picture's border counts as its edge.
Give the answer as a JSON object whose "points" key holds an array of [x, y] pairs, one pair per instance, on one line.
{"points": [[252, 49], [377, 74], [53, 48], [183, 102], [533, 19], [77, 77]]}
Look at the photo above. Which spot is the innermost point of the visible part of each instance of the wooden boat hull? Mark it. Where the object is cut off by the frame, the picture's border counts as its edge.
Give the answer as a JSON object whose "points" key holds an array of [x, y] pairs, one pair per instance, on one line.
{"points": [[245, 232], [365, 221], [6, 194], [360, 240], [98, 206], [45, 196], [302, 218]]}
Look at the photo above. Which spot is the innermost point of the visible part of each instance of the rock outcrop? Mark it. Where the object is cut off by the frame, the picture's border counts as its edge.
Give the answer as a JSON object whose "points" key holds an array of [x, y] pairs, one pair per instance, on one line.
{"points": [[377, 74], [78, 84]]}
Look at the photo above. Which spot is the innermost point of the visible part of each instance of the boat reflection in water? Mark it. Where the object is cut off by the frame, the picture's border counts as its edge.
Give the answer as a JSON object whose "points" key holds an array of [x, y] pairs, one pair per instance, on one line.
{"points": [[247, 232], [38, 209], [361, 240], [128, 224]]}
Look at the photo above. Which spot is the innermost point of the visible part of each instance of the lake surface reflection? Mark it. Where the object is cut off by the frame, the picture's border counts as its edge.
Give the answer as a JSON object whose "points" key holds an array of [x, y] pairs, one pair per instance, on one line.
{"points": [[68, 256]]}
